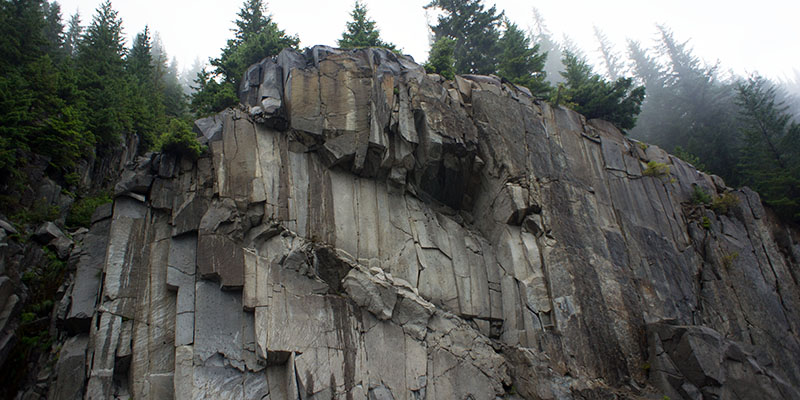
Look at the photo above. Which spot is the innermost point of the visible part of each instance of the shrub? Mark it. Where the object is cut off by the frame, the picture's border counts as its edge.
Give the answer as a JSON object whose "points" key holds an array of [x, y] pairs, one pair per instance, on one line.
{"points": [[706, 223], [81, 212], [656, 169], [699, 196], [723, 204], [179, 139]]}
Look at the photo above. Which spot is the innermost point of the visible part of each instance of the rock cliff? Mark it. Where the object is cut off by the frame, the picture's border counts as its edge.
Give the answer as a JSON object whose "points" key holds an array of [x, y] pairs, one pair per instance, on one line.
{"points": [[359, 229]]}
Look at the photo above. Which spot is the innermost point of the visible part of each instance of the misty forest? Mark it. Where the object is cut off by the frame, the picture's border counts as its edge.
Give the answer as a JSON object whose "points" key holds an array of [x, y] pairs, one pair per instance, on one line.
{"points": [[74, 94]]}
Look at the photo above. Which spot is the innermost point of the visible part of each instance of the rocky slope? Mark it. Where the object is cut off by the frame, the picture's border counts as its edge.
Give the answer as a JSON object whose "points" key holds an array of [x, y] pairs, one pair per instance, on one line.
{"points": [[359, 229]]}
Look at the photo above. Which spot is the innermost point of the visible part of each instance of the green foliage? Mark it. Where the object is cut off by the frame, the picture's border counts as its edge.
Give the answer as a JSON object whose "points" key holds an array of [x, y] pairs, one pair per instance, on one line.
{"points": [[728, 259], [361, 31], [618, 102], [179, 139], [39, 212], [520, 63], [689, 158], [103, 80], [770, 160], [475, 31], [706, 223], [724, 203], [688, 106], [257, 37], [699, 196], [440, 60], [81, 212], [656, 169], [211, 96]]}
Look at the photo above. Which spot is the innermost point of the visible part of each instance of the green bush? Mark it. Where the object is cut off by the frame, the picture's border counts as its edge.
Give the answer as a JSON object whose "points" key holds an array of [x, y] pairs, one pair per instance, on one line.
{"points": [[723, 204], [699, 196], [179, 139], [656, 169], [706, 223], [81, 212]]}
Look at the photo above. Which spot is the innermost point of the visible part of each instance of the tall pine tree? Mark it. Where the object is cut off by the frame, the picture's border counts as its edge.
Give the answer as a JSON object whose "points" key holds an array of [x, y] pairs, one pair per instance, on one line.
{"points": [[361, 31], [256, 37], [475, 30], [618, 102], [101, 66], [520, 63], [770, 161]]}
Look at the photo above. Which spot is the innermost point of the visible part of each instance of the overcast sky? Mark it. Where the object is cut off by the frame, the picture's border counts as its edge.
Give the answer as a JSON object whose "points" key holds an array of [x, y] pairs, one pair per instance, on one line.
{"points": [[761, 36]]}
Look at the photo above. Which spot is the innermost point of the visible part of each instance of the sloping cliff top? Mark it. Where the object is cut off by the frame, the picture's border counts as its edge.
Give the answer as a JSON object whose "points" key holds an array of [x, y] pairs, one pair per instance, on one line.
{"points": [[360, 229]]}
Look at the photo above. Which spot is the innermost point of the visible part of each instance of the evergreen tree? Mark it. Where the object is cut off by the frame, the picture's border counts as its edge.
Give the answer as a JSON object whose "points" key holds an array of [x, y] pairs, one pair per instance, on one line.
{"points": [[102, 69], [36, 95], [687, 105], [361, 31], [211, 96], [475, 31], [610, 57], [73, 35], [520, 63], [145, 104], [771, 154], [441, 60], [256, 37], [542, 36], [618, 102]]}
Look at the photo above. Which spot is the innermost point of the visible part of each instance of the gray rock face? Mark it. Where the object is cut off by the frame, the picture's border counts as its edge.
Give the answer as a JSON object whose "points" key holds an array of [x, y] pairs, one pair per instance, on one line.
{"points": [[363, 230]]}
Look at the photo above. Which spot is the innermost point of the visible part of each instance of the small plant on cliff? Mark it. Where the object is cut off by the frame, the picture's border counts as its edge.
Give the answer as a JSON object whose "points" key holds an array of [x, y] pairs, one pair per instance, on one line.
{"points": [[81, 212], [723, 204], [699, 196], [706, 223], [728, 259], [179, 139], [656, 169]]}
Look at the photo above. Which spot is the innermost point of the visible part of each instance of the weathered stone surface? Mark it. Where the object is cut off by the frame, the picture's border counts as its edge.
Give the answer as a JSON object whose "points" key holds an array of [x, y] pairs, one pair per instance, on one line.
{"points": [[404, 236], [70, 369]]}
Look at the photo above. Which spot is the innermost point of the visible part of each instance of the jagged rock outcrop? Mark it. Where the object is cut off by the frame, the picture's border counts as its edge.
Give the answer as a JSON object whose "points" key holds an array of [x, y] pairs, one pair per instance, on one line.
{"points": [[363, 230]]}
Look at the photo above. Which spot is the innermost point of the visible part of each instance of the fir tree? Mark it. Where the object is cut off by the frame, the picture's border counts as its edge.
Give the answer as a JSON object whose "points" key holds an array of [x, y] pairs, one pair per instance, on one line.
{"points": [[770, 161], [440, 60], [145, 104], [361, 31], [256, 37], [73, 35], [475, 31], [610, 57], [520, 63], [618, 102], [102, 68]]}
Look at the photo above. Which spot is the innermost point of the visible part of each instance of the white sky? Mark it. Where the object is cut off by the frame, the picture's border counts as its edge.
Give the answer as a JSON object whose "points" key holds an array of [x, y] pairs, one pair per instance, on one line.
{"points": [[761, 36]]}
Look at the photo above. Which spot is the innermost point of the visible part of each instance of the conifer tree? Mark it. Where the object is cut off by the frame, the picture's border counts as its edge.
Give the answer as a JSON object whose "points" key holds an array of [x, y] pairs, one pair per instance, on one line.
{"points": [[520, 63], [256, 37], [475, 31], [145, 104], [770, 161], [441, 60], [361, 31], [610, 58], [73, 35], [102, 69], [618, 102]]}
